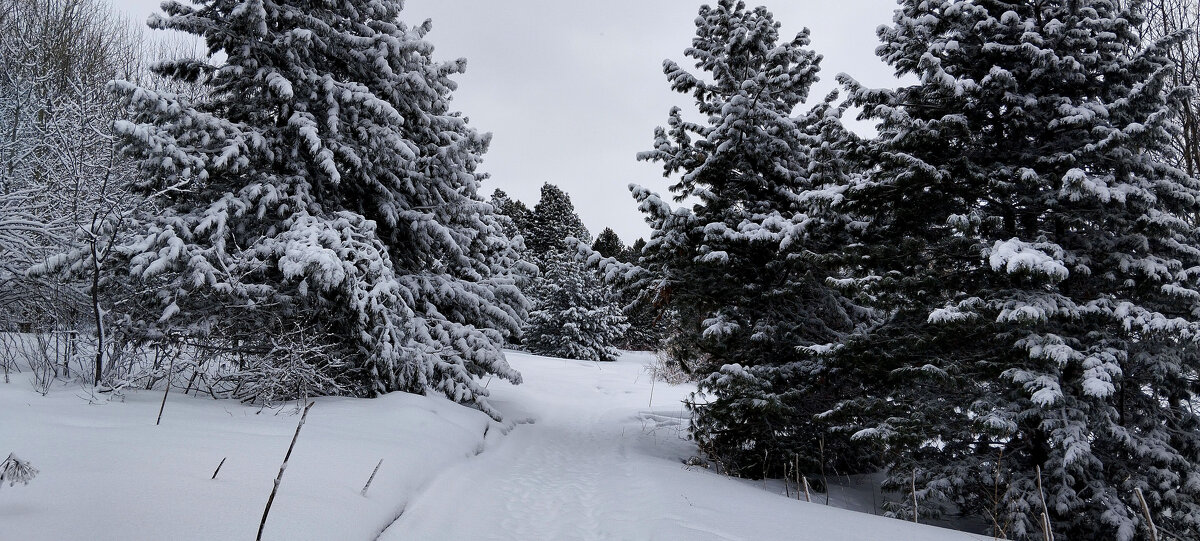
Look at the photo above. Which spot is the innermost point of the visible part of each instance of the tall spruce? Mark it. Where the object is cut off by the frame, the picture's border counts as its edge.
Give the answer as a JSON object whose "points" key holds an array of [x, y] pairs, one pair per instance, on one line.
{"points": [[732, 274], [553, 221], [1038, 264], [322, 181]]}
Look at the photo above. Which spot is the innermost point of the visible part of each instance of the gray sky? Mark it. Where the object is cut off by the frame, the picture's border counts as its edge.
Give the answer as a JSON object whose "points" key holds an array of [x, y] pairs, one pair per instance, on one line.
{"points": [[573, 90]]}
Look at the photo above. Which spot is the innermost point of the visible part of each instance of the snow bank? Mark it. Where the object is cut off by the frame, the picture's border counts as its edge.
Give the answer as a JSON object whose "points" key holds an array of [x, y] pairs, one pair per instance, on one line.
{"points": [[108, 473]]}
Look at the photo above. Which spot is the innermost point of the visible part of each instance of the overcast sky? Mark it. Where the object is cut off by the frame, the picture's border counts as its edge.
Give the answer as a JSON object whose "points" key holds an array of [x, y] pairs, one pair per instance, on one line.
{"points": [[572, 90]]}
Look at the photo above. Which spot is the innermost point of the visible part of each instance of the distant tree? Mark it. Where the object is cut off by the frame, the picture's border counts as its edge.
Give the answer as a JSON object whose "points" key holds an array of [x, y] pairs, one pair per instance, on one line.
{"points": [[320, 181], [608, 244], [553, 221], [515, 216], [634, 251], [574, 315]]}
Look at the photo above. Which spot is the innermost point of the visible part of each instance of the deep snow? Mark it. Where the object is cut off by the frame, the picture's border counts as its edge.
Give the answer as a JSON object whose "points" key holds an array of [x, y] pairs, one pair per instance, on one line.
{"points": [[583, 455]]}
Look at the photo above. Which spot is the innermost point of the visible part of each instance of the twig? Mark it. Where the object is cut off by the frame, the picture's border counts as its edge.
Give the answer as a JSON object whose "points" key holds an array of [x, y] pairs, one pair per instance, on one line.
{"points": [[218, 470], [163, 406], [1047, 533], [914, 493], [797, 469], [372, 478], [787, 493], [653, 376], [279, 476], [766, 454], [1146, 511], [824, 478]]}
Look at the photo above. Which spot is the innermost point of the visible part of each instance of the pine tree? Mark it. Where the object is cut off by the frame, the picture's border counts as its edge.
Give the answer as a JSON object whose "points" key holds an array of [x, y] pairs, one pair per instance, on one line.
{"points": [[733, 272], [574, 315], [633, 252], [553, 221], [1037, 261], [321, 180], [608, 244], [513, 213]]}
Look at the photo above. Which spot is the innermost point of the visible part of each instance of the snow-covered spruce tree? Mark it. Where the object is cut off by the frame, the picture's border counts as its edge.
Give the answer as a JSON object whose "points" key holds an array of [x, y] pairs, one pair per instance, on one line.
{"points": [[640, 333], [574, 315], [322, 179], [733, 273], [1039, 266]]}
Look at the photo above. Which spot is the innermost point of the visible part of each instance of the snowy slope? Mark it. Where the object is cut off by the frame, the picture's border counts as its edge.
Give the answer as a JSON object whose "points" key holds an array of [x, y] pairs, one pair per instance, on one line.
{"points": [[583, 456], [107, 473]]}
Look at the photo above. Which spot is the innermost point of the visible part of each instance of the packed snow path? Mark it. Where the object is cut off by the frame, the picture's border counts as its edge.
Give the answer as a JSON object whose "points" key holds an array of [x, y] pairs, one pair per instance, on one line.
{"points": [[589, 457]]}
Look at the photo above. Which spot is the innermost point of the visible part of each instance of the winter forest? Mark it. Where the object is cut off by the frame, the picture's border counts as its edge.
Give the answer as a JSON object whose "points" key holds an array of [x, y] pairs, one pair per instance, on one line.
{"points": [[979, 318]]}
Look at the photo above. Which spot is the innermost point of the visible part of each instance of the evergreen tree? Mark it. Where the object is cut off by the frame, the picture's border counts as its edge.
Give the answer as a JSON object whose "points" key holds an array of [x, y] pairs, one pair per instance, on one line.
{"points": [[608, 244], [574, 316], [553, 221], [1038, 263], [733, 272], [321, 180], [516, 217], [634, 251]]}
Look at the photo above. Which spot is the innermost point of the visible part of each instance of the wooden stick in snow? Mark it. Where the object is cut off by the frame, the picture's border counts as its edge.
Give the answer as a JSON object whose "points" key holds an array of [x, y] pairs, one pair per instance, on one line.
{"points": [[807, 497], [372, 478], [797, 470], [163, 406], [218, 470], [653, 376], [279, 476]]}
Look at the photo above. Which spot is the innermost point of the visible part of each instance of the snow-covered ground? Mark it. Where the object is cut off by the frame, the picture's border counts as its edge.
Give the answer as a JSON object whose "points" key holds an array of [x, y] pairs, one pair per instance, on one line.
{"points": [[583, 455]]}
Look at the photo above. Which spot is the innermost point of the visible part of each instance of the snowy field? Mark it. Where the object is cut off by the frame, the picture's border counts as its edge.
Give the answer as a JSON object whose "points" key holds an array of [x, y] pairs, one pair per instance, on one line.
{"points": [[583, 455]]}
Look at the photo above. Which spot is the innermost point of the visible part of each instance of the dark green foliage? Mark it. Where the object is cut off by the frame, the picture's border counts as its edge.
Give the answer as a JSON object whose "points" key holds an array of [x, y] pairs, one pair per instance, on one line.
{"points": [[608, 244], [760, 421], [634, 252], [733, 275], [1038, 265], [575, 314], [553, 221], [515, 216]]}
